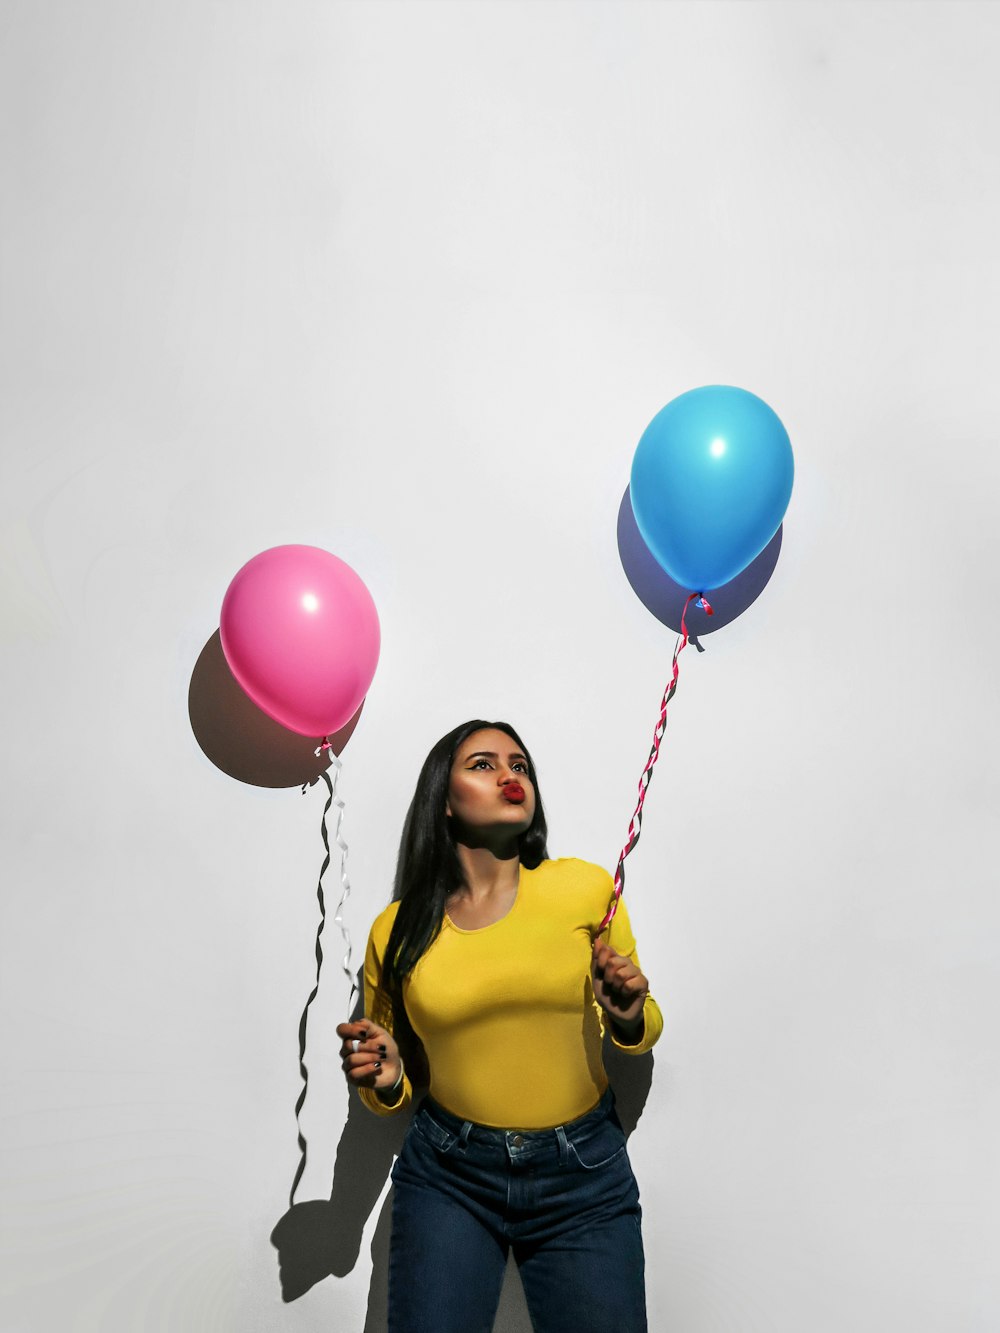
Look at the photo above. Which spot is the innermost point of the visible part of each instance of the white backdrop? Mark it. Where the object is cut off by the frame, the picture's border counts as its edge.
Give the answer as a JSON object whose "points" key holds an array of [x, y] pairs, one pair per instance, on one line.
{"points": [[407, 281]]}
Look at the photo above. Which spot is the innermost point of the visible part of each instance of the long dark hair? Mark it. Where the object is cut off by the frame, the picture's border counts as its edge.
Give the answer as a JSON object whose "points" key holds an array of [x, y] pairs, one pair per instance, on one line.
{"points": [[428, 870]]}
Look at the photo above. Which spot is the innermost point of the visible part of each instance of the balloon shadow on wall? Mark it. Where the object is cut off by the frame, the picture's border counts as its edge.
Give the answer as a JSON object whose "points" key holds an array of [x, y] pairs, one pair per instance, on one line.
{"points": [[240, 739], [665, 599], [321, 1238]]}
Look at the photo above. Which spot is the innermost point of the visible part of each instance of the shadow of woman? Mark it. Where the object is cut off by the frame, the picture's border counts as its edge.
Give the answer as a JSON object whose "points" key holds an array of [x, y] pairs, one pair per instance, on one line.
{"points": [[321, 1238]]}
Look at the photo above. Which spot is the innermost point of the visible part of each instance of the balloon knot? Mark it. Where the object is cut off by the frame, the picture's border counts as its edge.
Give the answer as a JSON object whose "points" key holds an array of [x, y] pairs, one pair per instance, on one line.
{"points": [[703, 602]]}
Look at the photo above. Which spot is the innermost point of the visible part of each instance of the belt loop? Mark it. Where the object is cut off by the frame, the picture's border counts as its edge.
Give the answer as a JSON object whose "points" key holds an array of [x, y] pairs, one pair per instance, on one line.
{"points": [[563, 1145], [463, 1137]]}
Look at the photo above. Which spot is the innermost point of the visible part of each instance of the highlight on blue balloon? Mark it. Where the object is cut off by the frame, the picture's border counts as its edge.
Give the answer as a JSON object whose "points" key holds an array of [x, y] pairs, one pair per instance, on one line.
{"points": [[711, 480]]}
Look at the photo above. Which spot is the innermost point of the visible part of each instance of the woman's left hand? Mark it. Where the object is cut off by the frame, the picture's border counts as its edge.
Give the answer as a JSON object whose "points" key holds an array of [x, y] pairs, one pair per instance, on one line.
{"points": [[619, 987]]}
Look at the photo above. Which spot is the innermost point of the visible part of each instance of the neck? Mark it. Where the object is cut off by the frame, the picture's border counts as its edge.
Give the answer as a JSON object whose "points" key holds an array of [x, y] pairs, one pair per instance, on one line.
{"points": [[486, 872]]}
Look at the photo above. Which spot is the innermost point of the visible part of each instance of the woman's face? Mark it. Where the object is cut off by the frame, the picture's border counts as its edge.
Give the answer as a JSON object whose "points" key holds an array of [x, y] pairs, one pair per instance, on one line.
{"points": [[489, 791]]}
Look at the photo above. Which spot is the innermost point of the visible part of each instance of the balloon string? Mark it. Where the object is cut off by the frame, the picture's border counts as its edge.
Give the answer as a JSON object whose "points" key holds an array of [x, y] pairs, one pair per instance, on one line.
{"points": [[332, 799], [303, 1021], [635, 826]]}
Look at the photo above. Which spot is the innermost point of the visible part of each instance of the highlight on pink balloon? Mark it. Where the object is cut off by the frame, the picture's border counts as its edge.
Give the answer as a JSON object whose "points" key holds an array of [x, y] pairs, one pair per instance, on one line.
{"points": [[301, 635]]}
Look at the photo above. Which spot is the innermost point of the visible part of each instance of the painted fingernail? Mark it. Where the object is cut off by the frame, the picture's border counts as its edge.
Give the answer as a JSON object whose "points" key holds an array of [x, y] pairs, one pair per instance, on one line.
{"points": [[384, 1050], [378, 1067]]}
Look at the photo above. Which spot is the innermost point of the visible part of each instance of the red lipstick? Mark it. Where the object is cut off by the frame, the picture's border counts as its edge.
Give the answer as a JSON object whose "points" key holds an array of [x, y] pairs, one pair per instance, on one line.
{"points": [[513, 792]]}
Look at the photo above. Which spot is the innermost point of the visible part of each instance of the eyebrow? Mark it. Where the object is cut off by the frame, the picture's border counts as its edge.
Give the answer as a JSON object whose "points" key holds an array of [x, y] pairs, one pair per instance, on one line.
{"points": [[492, 754]]}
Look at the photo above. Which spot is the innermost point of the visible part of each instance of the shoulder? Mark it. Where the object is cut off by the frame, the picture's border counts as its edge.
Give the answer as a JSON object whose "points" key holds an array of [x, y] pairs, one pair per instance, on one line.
{"points": [[582, 878], [381, 927]]}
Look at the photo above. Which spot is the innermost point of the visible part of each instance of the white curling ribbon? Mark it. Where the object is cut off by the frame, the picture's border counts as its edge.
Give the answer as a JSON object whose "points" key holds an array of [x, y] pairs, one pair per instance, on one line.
{"points": [[345, 883]]}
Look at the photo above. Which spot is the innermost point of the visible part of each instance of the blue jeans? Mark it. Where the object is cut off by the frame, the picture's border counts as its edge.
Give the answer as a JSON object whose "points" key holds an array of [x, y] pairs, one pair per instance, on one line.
{"points": [[564, 1199]]}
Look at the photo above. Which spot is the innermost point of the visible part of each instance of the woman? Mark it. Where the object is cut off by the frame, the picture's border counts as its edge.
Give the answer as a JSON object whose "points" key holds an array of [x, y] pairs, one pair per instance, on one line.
{"points": [[488, 973]]}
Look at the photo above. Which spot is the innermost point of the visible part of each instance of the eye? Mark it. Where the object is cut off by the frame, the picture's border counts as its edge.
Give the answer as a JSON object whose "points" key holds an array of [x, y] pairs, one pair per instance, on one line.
{"points": [[480, 763], [522, 766]]}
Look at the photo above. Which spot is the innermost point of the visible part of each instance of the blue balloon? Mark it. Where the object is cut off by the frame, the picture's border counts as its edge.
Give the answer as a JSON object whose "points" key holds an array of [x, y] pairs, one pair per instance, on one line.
{"points": [[711, 480]]}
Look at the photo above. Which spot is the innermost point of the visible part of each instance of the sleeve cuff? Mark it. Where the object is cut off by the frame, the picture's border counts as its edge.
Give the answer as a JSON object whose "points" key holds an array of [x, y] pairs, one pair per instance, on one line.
{"points": [[652, 1027], [375, 1103]]}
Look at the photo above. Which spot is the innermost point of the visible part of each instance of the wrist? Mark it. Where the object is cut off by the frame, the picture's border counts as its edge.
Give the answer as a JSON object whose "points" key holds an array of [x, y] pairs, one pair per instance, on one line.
{"points": [[629, 1032], [391, 1094]]}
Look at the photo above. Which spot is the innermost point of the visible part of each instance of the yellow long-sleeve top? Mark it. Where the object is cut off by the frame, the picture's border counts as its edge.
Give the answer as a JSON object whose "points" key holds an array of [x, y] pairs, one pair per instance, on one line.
{"points": [[506, 1013]]}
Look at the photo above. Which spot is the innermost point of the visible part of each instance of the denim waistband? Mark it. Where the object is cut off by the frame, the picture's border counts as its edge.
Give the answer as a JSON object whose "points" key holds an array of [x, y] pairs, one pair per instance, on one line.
{"points": [[521, 1138]]}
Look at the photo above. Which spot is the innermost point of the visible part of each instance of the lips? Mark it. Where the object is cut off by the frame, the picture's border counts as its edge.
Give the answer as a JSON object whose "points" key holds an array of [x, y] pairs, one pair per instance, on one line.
{"points": [[514, 793]]}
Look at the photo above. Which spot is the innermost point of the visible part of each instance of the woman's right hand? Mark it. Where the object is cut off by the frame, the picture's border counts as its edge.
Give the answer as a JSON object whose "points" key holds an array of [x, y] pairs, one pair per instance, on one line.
{"points": [[370, 1055]]}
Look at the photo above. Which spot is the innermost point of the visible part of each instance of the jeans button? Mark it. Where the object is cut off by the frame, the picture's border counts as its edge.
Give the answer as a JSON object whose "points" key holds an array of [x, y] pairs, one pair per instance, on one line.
{"points": [[518, 1141]]}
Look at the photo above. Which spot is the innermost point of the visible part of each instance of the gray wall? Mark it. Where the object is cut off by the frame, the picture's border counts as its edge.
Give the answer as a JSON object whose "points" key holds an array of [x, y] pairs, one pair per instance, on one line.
{"points": [[407, 281]]}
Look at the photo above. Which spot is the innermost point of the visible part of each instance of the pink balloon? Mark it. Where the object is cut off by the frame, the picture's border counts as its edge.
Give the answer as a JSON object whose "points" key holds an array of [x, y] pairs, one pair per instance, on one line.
{"points": [[301, 635]]}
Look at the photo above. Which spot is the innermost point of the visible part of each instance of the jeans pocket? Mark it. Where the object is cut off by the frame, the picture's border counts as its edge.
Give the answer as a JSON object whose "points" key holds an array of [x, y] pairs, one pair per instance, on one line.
{"points": [[427, 1128], [600, 1149]]}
